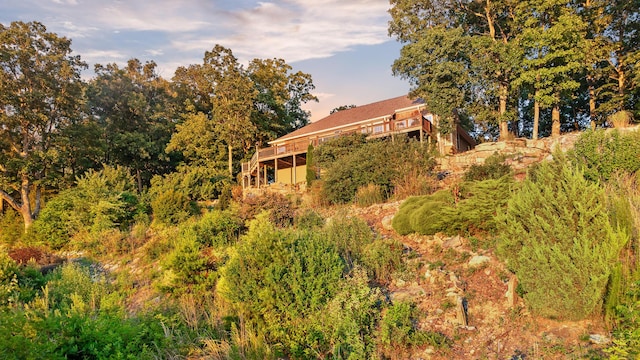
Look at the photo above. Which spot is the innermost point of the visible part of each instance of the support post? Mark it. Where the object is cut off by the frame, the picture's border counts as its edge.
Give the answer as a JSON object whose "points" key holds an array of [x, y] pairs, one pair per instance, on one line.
{"points": [[294, 170], [275, 173], [266, 181]]}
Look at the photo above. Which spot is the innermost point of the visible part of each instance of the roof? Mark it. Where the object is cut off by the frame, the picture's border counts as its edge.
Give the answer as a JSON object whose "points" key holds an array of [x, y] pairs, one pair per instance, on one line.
{"points": [[354, 115]]}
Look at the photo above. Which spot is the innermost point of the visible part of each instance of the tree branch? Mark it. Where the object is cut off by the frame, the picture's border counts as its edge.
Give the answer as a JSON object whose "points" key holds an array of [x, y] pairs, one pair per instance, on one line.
{"points": [[6, 197]]}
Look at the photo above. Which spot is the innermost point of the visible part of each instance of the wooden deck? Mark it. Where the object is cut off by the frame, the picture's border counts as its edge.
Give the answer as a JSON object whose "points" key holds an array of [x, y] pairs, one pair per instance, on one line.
{"points": [[376, 128]]}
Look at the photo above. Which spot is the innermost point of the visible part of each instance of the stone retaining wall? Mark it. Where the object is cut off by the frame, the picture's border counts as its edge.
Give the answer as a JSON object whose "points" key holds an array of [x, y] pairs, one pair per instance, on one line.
{"points": [[520, 153]]}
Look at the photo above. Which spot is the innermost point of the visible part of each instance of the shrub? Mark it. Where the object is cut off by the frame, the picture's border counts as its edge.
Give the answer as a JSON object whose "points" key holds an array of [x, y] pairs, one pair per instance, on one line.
{"points": [[368, 195], [198, 183], [172, 207], [493, 168], [311, 166], [382, 258], [102, 200], [281, 278], [401, 222], [218, 228], [398, 331], [374, 162], [12, 226], [281, 209], [556, 236], [308, 220], [601, 153], [349, 235]]}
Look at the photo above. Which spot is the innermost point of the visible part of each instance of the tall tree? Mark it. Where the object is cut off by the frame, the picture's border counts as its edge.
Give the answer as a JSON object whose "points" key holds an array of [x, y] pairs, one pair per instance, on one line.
{"points": [[459, 55], [622, 35], [40, 88], [280, 93], [134, 107], [552, 40], [233, 97]]}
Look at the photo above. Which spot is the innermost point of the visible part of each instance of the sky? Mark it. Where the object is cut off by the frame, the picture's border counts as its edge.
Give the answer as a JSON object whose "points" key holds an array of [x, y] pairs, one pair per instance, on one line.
{"points": [[343, 44]]}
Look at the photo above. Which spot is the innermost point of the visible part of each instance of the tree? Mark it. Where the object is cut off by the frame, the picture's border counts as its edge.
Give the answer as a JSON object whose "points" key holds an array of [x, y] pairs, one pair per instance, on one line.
{"points": [[342, 107], [280, 93], [134, 108], [551, 39], [622, 36], [233, 97], [459, 56], [40, 92]]}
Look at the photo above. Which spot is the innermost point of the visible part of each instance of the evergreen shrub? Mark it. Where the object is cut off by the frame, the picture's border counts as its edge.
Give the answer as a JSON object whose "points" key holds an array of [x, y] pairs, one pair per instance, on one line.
{"points": [[555, 235], [172, 207]]}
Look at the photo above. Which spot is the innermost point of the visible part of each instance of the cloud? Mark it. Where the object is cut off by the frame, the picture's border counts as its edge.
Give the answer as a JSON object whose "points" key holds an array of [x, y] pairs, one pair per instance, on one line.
{"points": [[294, 30]]}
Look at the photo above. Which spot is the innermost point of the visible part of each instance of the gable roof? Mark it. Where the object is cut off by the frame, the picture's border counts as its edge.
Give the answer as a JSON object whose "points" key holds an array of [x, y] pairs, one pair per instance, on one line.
{"points": [[354, 115]]}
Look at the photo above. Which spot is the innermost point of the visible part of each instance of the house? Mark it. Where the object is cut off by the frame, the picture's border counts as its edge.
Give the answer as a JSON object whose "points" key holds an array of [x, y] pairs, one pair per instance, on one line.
{"points": [[284, 161]]}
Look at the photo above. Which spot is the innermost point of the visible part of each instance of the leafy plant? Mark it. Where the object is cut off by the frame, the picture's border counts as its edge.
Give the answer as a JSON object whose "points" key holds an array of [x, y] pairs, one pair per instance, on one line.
{"points": [[493, 168]]}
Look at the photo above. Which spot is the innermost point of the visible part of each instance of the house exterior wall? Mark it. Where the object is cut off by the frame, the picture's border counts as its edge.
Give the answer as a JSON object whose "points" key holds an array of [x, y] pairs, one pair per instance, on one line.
{"points": [[285, 176]]}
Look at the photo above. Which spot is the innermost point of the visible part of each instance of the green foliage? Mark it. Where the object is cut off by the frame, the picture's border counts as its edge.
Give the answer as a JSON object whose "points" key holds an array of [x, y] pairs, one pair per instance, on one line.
{"points": [[12, 227], [398, 331], [172, 207], [626, 341], [311, 166], [382, 258], [101, 200], [350, 235], [308, 220], [601, 153], [279, 278], [76, 316], [198, 183], [493, 168], [349, 319], [556, 236], [433, 214], [217, 228], [351, 163], [477, 203]]}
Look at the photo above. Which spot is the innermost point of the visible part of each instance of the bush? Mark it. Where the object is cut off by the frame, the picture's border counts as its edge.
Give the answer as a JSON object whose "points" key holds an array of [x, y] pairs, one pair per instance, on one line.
{"points": [[424, 214], [382, 258], [102, 200], [555, 235], [603, 152], [12, 226], [217, 228], [281, 209], [398, 331], [349, 235], [493, 168], [308, 220], [172, 207], [281, 278], [373, 162], [198, 183]]}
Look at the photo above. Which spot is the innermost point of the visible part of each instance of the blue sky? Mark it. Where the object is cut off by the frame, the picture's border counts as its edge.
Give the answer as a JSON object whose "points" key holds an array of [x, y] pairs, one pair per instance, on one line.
{"points": [[343, 44]]}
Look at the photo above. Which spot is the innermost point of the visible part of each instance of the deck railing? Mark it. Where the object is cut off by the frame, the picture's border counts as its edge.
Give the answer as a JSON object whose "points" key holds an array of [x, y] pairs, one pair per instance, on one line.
{"points": [[374, 129]]}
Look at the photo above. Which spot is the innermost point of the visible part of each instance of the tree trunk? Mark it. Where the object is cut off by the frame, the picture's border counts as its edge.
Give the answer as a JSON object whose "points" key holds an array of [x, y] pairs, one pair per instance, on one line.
{"points": [[592, 105], [504, 125], [231, 160], [536, 116], [555, 121]]}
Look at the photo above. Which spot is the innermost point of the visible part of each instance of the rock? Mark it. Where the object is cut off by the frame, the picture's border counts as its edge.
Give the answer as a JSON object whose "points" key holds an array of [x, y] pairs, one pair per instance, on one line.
{"points": [[386, 222], [599, 339], [453, 242], [478, 260]]}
